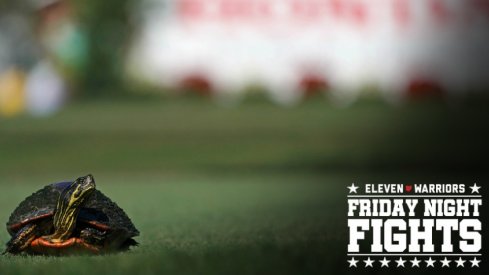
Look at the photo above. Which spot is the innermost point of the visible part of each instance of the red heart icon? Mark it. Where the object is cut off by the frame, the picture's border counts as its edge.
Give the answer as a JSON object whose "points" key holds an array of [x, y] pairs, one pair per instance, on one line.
{"points": [[408, 188]]}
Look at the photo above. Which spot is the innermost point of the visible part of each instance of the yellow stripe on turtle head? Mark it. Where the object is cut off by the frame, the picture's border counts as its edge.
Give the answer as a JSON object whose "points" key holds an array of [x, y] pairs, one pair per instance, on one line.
{"points": [[68, 207]]}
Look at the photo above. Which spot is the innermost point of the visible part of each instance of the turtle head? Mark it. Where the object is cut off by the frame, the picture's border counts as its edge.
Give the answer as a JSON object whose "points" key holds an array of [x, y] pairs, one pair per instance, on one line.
{"points": [[69, 203], [77, 192]]}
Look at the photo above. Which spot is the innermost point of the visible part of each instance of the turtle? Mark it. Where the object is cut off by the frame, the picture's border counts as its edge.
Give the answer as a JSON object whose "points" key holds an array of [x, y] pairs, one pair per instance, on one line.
{"points": [[68, 218]]}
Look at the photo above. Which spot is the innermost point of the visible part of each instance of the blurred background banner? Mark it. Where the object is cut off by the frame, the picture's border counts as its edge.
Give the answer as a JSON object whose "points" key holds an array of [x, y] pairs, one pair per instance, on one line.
{"points": [[287, 48], [284, 45]]}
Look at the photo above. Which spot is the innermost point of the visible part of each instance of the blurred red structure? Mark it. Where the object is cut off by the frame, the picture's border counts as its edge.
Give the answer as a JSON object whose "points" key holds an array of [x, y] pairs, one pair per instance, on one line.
{"points": [[423, 87], [312, 84], [196, 83]]}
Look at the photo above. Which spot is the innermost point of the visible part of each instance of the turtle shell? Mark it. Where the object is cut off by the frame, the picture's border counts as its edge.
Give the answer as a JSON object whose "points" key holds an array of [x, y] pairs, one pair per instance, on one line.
{"points": [[98, 211]]}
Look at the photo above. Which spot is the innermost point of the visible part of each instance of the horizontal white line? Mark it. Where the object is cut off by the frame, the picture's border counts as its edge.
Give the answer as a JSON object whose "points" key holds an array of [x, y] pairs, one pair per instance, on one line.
{"points": [[413, 254], [414, 196]]}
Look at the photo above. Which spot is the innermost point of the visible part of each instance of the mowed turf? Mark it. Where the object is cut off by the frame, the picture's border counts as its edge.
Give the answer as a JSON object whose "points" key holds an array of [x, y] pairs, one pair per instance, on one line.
{"points": [[205, 225], [254, 188]]}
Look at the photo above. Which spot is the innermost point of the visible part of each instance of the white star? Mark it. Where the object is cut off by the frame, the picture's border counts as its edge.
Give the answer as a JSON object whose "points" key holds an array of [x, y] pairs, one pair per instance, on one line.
{"points": [[475, 188], [430, 262], [353, 188], [460, 262], [415, 262], [368, 262], [353, 262], [385, 262], [475, 262], [446, 262], [400, 262]]}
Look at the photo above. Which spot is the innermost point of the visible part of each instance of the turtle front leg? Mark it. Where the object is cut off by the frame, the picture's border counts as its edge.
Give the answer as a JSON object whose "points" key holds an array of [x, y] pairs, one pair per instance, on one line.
{"points": [[22, 239], [93, 236]]}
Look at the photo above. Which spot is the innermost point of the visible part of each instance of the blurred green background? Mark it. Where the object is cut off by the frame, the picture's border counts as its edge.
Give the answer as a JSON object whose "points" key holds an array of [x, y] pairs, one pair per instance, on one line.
{"points": [[251, 189]]}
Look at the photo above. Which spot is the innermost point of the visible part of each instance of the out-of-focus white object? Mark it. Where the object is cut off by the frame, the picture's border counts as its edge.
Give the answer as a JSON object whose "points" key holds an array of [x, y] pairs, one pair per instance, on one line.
{"points": [[45, 90], [349, 43]]}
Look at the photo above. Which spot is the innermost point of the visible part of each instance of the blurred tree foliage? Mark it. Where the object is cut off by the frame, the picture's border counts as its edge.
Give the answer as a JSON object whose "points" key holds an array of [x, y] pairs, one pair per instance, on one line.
{"points": [[109, 29], [108, 26]]}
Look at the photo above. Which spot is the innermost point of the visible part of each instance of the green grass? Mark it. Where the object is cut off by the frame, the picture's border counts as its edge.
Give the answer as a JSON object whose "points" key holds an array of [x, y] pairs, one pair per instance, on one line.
{"points": [[207, 225], [251, 189]]}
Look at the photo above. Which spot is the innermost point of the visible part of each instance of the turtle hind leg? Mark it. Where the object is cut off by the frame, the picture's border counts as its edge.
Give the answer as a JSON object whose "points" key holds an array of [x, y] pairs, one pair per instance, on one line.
{"points": [[128, 243], [114, 241], [22, 239], [118, 241]]}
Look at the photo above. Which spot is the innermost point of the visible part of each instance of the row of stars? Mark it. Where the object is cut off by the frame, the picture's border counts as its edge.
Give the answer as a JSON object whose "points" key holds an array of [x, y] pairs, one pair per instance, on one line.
{"points": [[353, 188], [415, 262]]}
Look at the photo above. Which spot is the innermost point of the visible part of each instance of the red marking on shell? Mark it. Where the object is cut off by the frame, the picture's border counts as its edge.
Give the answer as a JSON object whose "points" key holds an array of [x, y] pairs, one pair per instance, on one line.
{"points": [[17, 226], [97, 225], [43, 246]]}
